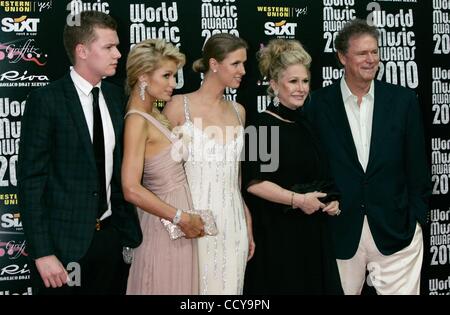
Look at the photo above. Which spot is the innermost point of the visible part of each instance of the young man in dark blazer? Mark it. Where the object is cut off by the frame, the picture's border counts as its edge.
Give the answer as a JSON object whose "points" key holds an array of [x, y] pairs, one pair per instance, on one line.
{"points": [[69, 167], [373, 135]]}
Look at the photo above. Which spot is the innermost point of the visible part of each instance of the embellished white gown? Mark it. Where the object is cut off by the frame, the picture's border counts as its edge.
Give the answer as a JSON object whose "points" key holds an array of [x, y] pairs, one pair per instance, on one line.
{"points": [[212, 171]]}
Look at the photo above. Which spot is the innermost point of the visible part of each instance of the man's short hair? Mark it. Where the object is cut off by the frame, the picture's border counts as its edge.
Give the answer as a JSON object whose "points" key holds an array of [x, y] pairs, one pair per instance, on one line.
{"points": [[83, 32], [352, 28]]}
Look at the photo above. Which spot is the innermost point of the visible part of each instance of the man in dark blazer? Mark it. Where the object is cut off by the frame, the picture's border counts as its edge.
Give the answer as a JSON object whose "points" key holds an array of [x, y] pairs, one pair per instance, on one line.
{"points": [[373, 135], [69, 168]]}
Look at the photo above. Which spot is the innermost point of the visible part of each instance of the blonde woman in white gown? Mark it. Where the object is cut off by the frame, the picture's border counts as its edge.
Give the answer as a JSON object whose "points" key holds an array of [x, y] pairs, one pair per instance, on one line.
{"points": [[212, 129]]}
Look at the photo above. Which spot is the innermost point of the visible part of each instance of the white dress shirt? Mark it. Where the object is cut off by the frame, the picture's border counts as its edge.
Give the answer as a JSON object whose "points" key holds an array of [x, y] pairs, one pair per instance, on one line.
{"points": [[84, 89], [360, 120]]}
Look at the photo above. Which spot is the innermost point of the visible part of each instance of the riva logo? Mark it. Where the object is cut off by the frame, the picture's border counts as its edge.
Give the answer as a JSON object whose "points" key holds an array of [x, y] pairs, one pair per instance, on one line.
{"points": [[16, 76], [14, 270]]}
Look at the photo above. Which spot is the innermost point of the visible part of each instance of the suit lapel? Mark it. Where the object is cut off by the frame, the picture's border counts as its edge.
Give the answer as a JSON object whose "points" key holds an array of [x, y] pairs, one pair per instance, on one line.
{"points": [[338, 117], [76, 110], [381, 115]]}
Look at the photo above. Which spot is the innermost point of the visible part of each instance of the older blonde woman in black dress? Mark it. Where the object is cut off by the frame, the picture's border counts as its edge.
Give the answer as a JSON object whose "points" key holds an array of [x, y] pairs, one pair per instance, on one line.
{"points": [[294, 254]]}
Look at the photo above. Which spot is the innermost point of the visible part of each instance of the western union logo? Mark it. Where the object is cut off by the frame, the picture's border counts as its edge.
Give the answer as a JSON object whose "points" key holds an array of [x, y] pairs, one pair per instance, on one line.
{"points": [[276, 11], [16, 6]]}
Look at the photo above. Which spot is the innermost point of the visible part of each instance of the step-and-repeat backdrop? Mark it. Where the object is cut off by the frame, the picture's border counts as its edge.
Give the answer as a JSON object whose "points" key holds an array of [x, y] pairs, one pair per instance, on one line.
{"points": [[414, 49]]}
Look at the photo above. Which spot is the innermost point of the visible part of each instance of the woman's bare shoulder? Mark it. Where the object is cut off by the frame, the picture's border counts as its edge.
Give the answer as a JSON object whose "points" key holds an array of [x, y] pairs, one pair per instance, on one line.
{"points": [[240, 107], [241, 110], [174, 110]]}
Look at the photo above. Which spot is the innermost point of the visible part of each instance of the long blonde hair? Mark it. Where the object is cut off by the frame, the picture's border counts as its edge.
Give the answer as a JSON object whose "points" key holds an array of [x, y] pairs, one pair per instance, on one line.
{"points": [[146, 57]]}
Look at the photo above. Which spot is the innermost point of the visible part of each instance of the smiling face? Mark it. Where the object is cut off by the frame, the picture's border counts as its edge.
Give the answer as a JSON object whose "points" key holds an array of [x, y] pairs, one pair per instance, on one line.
{"points": [[292, 86], [361, 59], [161, 82], [101, 55], [231, 69]]}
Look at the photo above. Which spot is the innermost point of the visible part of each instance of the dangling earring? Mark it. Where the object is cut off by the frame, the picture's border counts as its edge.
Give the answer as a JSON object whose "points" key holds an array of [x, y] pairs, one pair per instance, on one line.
{"points": [[276, 100], [142, 86]]}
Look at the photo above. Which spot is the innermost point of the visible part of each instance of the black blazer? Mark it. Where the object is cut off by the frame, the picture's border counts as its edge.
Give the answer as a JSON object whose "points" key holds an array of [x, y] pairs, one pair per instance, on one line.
{"points": [[394, 190], [57, 177]]}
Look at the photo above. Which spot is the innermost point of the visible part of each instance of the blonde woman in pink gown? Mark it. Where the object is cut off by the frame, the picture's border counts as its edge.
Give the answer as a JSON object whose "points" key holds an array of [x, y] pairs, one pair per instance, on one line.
{"points": [[154, 180]]}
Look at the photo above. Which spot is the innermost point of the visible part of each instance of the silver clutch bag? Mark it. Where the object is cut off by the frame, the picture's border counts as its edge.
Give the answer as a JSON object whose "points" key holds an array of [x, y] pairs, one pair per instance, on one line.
{"points": [[208, 219]]}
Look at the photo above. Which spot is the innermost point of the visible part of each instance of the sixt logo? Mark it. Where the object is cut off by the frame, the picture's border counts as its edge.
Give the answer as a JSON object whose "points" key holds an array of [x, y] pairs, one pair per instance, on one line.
{"points": [[10, 220], [280, 28], [21, 24]]}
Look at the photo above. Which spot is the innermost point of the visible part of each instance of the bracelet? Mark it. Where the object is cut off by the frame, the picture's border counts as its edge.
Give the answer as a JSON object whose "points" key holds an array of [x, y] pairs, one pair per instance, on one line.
{"points": [[177, 217], [292, 200]]}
